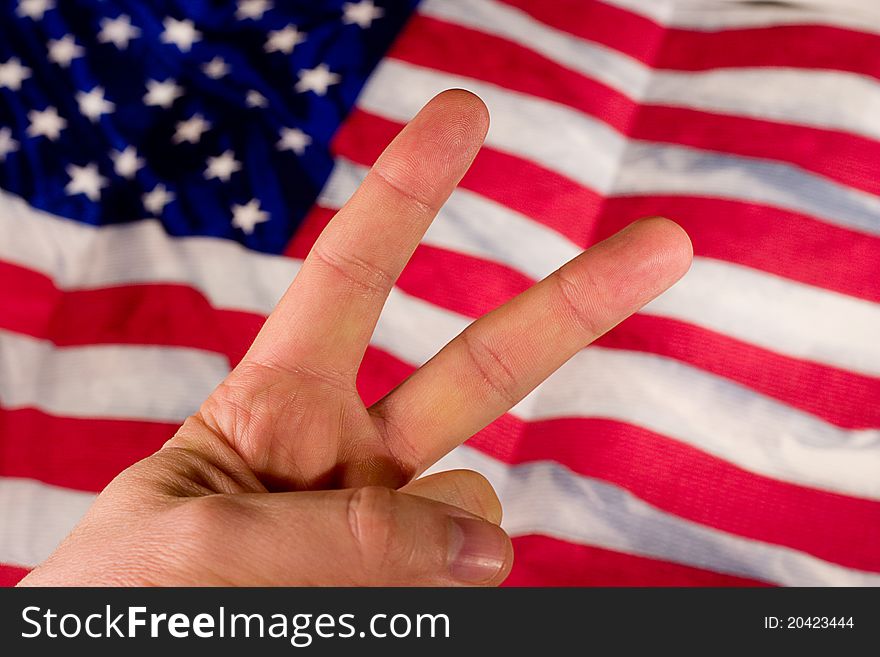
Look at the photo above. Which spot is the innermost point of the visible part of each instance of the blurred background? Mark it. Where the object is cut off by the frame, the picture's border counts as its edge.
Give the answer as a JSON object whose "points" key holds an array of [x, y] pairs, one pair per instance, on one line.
{"points": [[164, 166]]}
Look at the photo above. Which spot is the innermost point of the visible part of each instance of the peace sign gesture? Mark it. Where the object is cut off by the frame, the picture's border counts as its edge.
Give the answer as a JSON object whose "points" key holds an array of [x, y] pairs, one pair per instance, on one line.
{"points": [[284, 476]]}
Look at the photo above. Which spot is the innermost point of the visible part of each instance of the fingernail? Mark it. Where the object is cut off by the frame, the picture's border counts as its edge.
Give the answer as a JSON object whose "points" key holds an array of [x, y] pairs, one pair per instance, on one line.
{"points": [[477, 550]]}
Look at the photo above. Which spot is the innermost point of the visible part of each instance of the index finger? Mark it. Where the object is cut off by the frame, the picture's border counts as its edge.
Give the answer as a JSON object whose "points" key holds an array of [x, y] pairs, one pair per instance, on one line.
{"points": [[325, 319]]}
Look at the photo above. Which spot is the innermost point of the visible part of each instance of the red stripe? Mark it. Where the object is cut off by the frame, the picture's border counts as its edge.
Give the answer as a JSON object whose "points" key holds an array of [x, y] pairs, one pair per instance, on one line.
{"points": [[473, 286], [797, 46], [686, 482], [86, 453], [547, 197], [843, 398], [155, 313], [11, 575], [778, 241], [694, 50], [622, 30], [537, 558], [841, 156], [462, 51], [80, 453], [545, 561], [179, 316], [675, 477], [95, 465], [443, 46], [378, 381]]}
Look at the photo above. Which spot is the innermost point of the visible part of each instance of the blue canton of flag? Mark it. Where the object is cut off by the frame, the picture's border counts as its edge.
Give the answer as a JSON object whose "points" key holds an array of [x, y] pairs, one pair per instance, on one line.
{"points": [[213, 117]]}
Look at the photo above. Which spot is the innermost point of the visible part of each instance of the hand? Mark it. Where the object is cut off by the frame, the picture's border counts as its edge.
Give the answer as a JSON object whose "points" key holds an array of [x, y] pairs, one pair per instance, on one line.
{"points": [[283, 476]]}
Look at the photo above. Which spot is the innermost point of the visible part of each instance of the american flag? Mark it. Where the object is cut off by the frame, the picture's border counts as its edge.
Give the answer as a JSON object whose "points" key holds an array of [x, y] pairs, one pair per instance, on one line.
{"points": [[166, 165]]}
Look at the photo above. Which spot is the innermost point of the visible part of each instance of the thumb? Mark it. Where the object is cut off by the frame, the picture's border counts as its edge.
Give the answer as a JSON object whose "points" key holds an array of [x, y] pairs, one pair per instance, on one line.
{"points": [[368, 536]]}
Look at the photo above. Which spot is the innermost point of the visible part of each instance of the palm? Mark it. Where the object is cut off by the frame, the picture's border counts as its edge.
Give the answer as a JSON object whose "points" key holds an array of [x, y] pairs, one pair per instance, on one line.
{"points": [[301, 430]]}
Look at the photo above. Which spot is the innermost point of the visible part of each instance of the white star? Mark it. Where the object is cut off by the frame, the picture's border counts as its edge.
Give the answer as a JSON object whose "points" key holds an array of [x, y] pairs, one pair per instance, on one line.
{"points": [[216, 68], [85, 180], [252, 9], [255, 99], [249, 215], [118, 31], [156, 200], [293, 139], [93, 104], [316, 79], [46, 123], [126, 163], [222, 166], [191, 130], [362, 13], [162, 94], [284, 40], [34, 8], [7, 143], [182, 34], [64, 50], [12, 73]]}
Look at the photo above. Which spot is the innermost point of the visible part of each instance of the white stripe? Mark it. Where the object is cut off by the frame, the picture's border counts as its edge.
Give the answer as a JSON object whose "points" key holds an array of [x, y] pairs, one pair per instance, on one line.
{"points": [[709, 15], [663, 395], [120, 381], [472, 224], [589, 152], [750, 305], [556, 136], [582, 147], [753, 306], [35, 517], [780, 315], [34, 374], [650, 169], [546, 498], [79, 256], [659, 11], [824, 99]]}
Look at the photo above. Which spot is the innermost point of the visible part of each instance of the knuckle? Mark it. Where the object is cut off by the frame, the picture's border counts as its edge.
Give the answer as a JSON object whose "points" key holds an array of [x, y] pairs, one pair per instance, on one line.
{"points": [[396, 440], [203, 537], [403, 179], [368, 277], [233, 407], [493, 368], [371, 520], [207, 512], [199, 521], [577, 304], [259, 400]]}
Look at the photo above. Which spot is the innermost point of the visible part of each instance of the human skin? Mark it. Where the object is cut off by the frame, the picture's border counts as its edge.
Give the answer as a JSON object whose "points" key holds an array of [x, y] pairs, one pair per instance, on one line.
{"points": [[285, 477]]}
